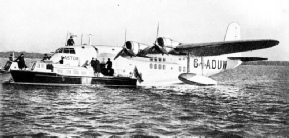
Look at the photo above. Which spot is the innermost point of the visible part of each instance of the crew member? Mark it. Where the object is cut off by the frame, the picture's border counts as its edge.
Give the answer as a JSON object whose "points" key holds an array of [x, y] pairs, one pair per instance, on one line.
{"points": [[46, 57], [70, 41], [21, 61]]}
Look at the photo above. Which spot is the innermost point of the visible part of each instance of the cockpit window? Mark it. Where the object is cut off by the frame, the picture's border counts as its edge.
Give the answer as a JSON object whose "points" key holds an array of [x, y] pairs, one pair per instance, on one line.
{"points": [[65, 50]]}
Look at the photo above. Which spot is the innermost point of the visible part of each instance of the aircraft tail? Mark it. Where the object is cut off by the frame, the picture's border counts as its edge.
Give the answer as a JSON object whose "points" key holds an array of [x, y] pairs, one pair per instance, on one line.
{"points": [[233, 32]]}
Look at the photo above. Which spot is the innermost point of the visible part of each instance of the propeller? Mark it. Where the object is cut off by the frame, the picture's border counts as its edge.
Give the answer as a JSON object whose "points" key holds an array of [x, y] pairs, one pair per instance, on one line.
{"points": [[125, 50], [158, 47]]}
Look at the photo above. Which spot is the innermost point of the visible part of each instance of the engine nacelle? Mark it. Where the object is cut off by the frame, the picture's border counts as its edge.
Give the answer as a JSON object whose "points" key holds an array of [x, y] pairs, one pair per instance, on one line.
{"points": [[135, 47], [167, 42]]}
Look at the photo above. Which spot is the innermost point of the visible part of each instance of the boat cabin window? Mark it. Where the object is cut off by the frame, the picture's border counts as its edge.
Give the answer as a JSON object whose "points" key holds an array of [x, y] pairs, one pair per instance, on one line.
{"points": [[65, 50], [160, 59]]}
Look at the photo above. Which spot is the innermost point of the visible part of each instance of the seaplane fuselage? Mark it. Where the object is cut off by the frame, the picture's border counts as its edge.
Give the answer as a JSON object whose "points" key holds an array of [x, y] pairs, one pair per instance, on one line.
{"points": [[155, 69]]}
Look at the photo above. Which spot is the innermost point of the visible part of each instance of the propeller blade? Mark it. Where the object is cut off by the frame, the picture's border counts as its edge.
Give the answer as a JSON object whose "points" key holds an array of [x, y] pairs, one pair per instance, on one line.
{"points": [[119, 53]]}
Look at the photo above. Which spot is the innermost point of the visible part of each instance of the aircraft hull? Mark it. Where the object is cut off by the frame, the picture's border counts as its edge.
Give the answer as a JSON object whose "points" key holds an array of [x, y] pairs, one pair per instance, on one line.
{"points": [[47, 78]]}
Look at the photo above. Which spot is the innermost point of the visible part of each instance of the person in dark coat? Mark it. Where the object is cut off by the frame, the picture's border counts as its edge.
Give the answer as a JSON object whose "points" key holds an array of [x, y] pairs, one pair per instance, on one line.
{"points": [[110, 71], [92, 63], [70, 41], [21, 62], [97, 65], [109, 64]]}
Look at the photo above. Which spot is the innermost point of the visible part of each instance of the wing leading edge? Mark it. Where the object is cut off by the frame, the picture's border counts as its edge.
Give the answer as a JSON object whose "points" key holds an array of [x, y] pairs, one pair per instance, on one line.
{"points": [[226, 47]]}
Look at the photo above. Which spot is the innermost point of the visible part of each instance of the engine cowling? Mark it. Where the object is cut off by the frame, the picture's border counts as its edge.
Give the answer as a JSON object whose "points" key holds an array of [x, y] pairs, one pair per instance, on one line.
{"points": [[167, 44], [132, 48], [135, 47]]}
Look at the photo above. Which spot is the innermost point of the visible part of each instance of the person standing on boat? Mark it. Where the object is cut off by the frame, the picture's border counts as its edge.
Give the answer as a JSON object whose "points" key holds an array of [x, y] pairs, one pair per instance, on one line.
{"points": [[46, 57], [70, 41], [92, 63], [21, 62], [109, 67], [97, 65], [109, 64]]}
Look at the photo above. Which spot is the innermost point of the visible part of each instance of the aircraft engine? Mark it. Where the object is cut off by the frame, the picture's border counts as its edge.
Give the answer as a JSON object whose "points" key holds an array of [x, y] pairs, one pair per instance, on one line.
{"points": [[167, 44], [132, 49], [135, 46]]}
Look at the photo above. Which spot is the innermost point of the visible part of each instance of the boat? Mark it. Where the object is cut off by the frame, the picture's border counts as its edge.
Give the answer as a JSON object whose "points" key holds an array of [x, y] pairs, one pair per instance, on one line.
{"points": [[75, 69]]}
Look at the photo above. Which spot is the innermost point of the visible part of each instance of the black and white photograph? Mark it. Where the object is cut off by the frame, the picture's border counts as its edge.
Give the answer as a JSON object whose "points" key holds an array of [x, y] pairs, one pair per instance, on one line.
{"points": [[144, 69]]}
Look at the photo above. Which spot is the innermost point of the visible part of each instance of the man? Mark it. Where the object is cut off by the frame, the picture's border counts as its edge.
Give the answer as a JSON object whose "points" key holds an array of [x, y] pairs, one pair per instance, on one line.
{"points": [[92, 63], [97, 65], [70, 41], [110, 71], [109, 64], [46, 57], [21, 62]]}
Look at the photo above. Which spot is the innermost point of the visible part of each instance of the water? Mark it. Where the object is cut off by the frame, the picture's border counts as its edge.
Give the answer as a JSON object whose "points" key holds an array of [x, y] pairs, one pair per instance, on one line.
{"points": [[250, 101]]}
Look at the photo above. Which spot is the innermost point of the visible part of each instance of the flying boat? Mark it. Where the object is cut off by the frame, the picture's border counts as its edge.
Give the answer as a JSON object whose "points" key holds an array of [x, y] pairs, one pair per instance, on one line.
{"points": [[165, 62]]}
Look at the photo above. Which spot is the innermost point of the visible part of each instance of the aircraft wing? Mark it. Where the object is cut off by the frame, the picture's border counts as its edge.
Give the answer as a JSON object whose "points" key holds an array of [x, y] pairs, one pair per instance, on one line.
{"points": [[247, 58], [225, 47]]}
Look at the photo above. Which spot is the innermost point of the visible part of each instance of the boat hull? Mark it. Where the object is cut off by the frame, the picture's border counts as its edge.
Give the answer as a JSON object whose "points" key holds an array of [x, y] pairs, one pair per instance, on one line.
{"points": [[47, 78]]}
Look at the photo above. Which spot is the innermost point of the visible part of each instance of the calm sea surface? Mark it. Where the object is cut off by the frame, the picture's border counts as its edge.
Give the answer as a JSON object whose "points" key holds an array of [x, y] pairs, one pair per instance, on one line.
{"points": [[250, 101]]}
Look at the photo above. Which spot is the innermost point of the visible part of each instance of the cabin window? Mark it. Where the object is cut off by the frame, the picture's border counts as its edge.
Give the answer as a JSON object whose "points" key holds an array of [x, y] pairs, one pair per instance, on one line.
{"points": [[72, 51], [58, 50], [43, 66], [76, 72], [151, 59], [160, 59], [69, 50], [91, 73], [156, 66], [156, 59], [37, 65], [184, 69], [180, 69], [160, 66], [67, 71], [164, 59], [164, 67], [151, 66], [59, 71], [83, 72], [66, 51], [180, 58]]}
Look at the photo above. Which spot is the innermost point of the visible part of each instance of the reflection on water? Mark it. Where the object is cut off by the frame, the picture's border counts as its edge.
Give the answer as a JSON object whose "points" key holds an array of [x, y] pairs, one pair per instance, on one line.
{"points": [[251, 101]]}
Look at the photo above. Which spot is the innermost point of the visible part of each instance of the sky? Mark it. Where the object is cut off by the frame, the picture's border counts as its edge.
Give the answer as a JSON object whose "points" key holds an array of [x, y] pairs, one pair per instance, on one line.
{"points": [[42, 25]]}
